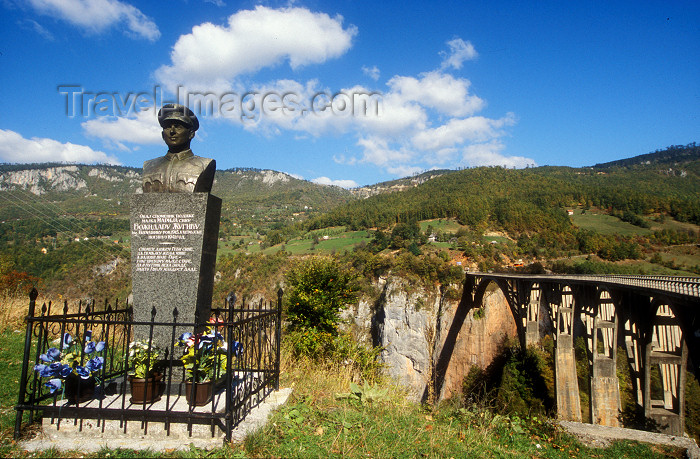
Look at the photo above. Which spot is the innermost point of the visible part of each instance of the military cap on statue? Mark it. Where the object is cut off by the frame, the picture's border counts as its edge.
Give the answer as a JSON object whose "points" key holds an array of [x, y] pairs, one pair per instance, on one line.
{"points": [[179, 113]]}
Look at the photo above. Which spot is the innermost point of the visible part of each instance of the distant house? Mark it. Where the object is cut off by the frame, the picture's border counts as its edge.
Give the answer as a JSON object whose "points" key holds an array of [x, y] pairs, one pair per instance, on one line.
{"points": [[43, 250], [569, 211]]}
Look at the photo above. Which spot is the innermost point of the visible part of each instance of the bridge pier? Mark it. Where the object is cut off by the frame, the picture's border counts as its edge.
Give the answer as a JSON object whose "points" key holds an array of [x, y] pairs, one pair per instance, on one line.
{"points": [[565, 377], [605, 387], [532, 325]]}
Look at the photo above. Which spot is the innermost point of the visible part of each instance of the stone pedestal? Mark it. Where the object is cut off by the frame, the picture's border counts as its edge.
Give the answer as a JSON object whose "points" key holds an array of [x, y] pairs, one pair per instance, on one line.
{"points": [[173, 254]]}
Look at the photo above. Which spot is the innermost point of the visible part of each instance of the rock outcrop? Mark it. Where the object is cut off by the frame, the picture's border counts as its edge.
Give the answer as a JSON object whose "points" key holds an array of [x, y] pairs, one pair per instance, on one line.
{"points": [[39, 181], [412, 324]]}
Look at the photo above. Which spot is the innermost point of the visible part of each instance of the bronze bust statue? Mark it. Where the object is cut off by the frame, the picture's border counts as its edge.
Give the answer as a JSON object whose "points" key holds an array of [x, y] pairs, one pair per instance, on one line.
{"points": [[179, 171]]}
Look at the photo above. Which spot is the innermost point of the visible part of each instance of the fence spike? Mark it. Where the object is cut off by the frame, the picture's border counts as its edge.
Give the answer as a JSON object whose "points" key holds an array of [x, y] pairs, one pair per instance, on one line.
{"points": [[153, 314]]}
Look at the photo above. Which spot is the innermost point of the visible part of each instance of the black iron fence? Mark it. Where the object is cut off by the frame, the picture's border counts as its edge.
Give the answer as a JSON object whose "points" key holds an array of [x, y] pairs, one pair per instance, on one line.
{"points": [[79, 364]]}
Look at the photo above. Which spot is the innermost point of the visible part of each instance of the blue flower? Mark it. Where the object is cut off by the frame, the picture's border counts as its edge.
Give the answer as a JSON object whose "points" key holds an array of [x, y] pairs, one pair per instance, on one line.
{"points": [[88, 335], [67, 339], [90, 347], [237, 348], [83, 372], [95, 364], [100, 346], [205, 342], [48, 370], [182, 340], [53, 385], [51, 355], [65, 370]]}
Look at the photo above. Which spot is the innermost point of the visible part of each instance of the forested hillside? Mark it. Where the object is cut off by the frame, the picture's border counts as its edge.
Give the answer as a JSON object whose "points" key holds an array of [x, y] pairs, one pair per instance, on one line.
{"points": [[676, 154], [533, 200]]}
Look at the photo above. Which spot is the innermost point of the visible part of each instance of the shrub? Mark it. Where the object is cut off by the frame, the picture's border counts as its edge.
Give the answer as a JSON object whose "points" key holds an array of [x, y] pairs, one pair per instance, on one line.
{"points": [[318, 289]]}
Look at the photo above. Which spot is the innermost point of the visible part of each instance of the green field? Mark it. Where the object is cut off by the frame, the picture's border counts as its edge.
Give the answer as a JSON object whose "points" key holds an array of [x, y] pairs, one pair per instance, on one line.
{"points": [[442, 224], [606, 224]]}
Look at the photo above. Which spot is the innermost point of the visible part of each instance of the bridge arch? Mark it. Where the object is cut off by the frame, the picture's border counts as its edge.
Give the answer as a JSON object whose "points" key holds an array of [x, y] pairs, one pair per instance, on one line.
{"points": [[508, 292]]}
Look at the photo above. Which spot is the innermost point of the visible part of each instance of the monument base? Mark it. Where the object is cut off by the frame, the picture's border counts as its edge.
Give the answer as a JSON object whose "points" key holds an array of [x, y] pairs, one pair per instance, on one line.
{"points": [[173, 256]]}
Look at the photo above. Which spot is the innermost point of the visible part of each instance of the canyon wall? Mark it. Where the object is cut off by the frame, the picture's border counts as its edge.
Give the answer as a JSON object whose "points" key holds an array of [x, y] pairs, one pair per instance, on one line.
{"points": [[412, 324]]}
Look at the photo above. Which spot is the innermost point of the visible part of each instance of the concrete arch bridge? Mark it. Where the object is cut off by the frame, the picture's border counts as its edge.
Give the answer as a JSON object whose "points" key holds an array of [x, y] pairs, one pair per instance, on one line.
{"points": [[655, 319]]}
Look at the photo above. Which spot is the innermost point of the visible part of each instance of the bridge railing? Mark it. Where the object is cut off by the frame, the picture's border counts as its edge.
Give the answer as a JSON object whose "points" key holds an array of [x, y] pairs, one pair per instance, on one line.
{"points": [[682, 285]]}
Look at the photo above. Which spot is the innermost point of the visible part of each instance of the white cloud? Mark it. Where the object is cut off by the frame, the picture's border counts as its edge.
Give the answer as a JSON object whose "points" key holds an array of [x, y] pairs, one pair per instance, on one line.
{"points": [[372, 72], [398, 116], [460, 130], [403, 170], [376, 150], [96, 16], [460, 51], [340, 183], [212, 55], [34, 26], [16, 149], [142, 129], [489, 154], [437, 90]]}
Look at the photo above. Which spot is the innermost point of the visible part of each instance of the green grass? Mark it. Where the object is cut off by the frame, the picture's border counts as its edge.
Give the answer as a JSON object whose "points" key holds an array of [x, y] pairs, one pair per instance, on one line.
{"points": [[11, 352], [338, 240], [606, 224], [445, 225], [498, 239], [395, 430], [686, 255]]}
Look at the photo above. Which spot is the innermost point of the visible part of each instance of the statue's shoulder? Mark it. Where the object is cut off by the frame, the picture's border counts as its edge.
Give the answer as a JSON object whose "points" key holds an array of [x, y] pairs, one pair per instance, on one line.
{"points": [[153, 164], [202, 162]]}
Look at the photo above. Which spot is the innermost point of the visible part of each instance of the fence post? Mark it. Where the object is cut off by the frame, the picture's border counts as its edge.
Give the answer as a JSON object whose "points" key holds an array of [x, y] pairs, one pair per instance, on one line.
{"points": [[278, 332], [230, 303], [25, 361]]}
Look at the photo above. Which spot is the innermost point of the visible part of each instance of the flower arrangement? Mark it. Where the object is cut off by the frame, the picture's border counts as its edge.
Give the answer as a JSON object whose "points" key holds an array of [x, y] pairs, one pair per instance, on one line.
{"points": [[204, 358], [60, 364], [146, 359]]}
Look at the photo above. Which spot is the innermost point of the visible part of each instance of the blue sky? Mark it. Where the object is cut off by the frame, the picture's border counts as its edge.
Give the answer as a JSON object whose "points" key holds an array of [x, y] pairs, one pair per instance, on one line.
{"points": [[444, 85]]}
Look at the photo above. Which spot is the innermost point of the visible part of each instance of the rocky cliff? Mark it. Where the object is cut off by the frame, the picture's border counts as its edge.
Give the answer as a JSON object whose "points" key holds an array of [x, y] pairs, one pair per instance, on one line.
{"points": [[413, 324]]}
